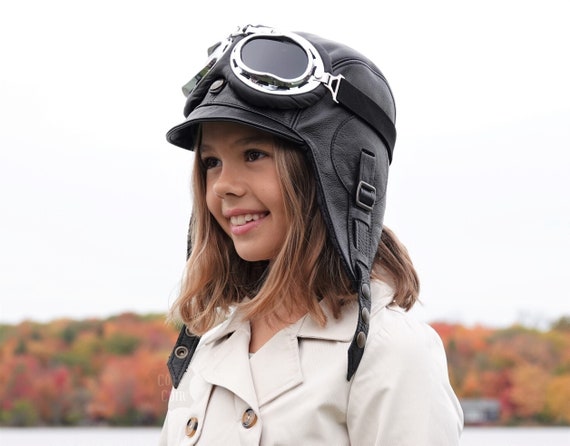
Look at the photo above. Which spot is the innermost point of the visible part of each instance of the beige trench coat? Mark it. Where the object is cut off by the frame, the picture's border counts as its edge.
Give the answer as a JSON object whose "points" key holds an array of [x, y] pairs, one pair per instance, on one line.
{"points": [[293, 391]]}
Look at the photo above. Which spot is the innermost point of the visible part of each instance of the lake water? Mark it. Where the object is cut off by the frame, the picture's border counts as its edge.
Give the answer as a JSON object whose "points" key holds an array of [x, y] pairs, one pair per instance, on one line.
{"points": [[479, 436]]}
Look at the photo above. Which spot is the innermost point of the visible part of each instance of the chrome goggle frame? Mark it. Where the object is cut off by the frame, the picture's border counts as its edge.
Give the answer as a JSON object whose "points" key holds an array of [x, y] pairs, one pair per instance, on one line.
{"points": [[265, 81]]}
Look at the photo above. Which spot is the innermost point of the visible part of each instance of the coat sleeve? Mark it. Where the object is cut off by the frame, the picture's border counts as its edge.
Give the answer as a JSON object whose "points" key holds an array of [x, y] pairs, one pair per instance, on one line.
{"points": [[401, 395]]}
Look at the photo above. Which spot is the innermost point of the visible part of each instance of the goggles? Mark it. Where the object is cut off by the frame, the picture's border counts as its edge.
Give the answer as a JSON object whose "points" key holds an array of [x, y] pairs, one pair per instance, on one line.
{"points": [[286, 64]]}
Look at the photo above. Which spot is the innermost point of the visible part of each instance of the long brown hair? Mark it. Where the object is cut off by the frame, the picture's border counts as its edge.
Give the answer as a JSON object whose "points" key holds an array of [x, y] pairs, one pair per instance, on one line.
{"points": [[306, 270]]}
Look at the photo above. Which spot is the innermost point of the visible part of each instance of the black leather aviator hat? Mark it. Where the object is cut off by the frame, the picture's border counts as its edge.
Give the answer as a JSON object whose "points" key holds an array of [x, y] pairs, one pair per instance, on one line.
{"points": [[334, 103]]}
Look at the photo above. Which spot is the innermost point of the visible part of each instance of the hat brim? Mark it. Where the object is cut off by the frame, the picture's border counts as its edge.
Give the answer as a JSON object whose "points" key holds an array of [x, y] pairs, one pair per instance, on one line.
{"points": [[183, 135]]}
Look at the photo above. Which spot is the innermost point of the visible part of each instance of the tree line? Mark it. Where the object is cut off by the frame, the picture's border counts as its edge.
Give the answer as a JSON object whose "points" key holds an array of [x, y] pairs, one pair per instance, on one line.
{"points": [[526, 369], [113, 371]]}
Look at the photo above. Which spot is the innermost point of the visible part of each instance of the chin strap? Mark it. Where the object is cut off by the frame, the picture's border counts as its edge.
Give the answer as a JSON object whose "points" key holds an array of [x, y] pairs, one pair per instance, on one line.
{"points": [[181, 355], [356, 349], [186, 343], [362, 252]]}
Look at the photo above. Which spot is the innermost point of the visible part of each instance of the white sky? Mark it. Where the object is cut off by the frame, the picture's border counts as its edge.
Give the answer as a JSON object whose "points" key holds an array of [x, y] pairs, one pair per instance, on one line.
{"points": [[95, 203]]}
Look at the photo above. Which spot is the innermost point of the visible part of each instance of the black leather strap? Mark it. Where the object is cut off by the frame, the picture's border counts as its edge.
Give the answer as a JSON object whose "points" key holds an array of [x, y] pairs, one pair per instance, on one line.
{"points": [[365, 191], [356, 349], [361, 216], [181, 355], [186, 343]]}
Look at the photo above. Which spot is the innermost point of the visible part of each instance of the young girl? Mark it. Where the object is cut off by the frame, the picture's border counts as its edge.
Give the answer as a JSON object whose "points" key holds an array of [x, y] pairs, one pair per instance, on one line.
{"points": [[294, 299]]}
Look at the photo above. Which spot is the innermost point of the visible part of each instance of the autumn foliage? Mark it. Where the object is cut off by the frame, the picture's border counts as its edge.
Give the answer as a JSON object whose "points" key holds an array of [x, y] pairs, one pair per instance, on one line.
{"points": [[527, 370], [69, 372], [113, 371]]}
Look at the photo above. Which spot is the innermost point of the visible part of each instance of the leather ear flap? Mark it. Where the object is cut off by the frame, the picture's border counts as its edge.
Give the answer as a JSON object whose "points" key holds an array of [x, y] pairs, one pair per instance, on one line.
{"points": [[366, 217]]}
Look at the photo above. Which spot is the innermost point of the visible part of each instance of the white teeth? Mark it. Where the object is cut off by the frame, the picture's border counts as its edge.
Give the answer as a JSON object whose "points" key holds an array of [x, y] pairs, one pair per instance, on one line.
{"points": [[240, 220]]}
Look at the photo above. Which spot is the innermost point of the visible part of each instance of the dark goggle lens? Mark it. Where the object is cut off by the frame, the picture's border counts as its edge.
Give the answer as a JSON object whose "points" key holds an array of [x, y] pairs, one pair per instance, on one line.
{"points": [[280, 58]]}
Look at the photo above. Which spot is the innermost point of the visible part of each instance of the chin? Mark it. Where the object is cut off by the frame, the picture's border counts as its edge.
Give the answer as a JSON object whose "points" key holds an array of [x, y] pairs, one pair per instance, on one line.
{"points": [[249, 256], [254, 258]]}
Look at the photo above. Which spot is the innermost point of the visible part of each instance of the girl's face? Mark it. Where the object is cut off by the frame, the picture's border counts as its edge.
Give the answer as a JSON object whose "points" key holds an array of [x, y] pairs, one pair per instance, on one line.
{"points": [[243, 191]]}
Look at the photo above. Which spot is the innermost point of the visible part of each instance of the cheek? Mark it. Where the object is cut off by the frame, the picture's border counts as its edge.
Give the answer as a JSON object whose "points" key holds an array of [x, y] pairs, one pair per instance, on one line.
{"points": [[276, 197], [214, 205]]}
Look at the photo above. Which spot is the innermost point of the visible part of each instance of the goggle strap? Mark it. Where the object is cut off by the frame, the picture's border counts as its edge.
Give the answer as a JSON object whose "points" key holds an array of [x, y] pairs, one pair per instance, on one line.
{"points": [[361, 104]]}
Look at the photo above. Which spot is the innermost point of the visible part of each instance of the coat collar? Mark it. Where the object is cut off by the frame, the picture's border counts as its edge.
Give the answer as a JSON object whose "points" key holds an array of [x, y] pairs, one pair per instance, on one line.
{"points": [[256, 380], [227, 364], [336, 329]]}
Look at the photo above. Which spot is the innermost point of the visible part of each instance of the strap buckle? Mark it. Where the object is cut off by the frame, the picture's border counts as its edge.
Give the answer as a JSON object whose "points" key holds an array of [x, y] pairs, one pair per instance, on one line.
{"points": [[365, 195]]}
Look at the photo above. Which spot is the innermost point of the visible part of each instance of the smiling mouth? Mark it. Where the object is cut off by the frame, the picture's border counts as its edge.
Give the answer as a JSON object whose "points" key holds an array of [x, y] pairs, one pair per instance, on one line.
{"points": [[240, 220]]}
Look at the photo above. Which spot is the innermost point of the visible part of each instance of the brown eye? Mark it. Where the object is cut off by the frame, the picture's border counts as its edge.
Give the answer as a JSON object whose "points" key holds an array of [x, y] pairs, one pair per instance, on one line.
{"points": [[210, 162], [254, 155]]}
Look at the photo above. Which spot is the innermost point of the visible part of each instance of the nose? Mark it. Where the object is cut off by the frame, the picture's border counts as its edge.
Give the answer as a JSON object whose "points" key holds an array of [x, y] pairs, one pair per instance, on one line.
{"points": [[229, 182]]}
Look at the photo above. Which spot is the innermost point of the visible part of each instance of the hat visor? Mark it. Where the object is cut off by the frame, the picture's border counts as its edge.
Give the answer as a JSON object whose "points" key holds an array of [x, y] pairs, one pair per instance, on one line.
{"points": [[183, 135]]}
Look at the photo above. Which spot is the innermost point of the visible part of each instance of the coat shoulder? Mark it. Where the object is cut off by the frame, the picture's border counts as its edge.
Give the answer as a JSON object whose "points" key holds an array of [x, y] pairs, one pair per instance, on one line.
{"points": [[395, 332]]}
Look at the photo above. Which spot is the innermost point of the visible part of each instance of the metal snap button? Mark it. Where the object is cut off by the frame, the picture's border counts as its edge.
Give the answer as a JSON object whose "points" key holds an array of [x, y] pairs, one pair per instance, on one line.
{"points": [[217, 86], [191, 427], [365, 316], [361, 339], [249, 418], [365, 288], [181, 352]]}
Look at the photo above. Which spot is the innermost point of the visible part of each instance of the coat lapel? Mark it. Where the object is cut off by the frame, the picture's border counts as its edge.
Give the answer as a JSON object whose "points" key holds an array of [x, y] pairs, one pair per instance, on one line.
{"points": [[228, 362], [276, 367]]}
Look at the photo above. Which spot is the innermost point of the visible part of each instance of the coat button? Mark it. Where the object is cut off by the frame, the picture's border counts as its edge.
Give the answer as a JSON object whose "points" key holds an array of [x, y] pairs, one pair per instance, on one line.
{"points": [[249, 418], [191, 427]]}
